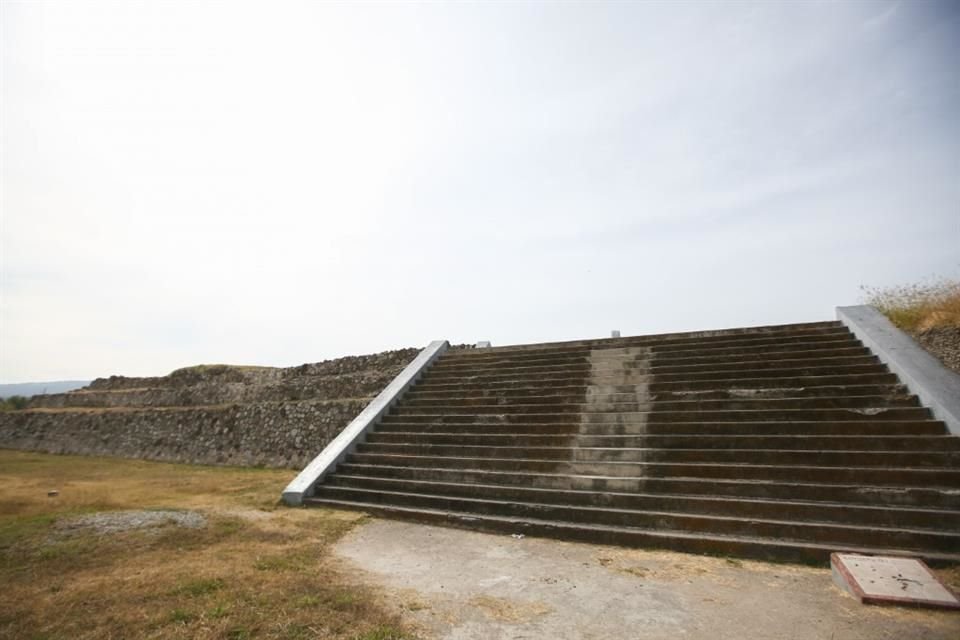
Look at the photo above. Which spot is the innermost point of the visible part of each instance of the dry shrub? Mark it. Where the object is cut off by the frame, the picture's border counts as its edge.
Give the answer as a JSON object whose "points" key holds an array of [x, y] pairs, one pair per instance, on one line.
{"points": [[918, 307]]}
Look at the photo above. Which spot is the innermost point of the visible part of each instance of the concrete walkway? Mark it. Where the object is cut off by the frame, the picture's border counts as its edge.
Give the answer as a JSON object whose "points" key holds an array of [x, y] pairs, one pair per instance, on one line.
{"points": [[461, 585]]}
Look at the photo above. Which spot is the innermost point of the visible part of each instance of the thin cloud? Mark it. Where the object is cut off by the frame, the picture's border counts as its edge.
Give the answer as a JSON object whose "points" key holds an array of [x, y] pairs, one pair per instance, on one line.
{"points": [[259, 184]]}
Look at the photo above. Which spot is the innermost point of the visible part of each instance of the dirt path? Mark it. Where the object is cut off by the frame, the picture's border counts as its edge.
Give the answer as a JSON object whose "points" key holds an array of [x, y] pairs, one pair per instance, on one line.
{"points": [[461, 585]]}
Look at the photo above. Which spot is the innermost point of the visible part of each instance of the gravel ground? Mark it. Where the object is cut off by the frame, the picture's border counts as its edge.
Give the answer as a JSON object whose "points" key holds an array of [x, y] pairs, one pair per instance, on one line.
{"points": [[118, 521], [944, 343], [463, 585]]}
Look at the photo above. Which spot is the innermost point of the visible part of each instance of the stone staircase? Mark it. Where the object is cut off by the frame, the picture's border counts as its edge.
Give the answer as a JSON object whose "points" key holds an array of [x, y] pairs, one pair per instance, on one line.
{"points": [[784, 442]]}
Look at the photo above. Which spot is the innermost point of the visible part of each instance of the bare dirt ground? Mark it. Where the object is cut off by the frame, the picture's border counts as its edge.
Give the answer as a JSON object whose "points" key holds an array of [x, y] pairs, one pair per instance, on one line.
{"points": [[461, 585]]}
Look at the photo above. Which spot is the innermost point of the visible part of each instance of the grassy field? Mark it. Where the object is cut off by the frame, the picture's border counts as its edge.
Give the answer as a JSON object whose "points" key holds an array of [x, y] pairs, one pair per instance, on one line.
{"points": [[255, 570]]}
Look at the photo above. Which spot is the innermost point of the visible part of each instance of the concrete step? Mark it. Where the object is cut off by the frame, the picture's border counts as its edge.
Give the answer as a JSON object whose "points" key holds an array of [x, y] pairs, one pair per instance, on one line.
{"points": [[705, 543], [866, 475], [931, 497], [572, 426], [885, 516], [597, 403], [620, 358], [816, 532], [451, 416], [676, 441], [621, 393], [656, 386], [653, 376], [750, 336], [815, 457], [609, 368], [835, 340], [638, 345]]}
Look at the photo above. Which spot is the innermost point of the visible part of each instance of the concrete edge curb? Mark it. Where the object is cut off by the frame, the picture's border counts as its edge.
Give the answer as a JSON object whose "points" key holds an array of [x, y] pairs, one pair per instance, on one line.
{"points": [[354, 433], [925, 376]]}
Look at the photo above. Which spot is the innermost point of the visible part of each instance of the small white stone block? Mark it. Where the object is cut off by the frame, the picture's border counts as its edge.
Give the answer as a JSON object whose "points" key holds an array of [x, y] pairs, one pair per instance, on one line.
{"points": [[890, 581], [483, 344], [615, 333]]}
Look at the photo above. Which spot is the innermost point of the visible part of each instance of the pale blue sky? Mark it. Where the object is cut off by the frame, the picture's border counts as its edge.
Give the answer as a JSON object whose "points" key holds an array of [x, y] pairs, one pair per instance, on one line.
{"points": [[277, 183]]}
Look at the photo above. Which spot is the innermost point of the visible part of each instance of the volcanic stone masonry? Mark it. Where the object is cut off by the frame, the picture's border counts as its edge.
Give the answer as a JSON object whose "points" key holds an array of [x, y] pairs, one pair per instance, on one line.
{"points": [[209, 414]]}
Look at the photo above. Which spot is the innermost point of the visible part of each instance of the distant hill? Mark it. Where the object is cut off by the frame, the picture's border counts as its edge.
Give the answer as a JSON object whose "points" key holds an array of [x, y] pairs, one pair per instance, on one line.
{"points": [[36, 388]]}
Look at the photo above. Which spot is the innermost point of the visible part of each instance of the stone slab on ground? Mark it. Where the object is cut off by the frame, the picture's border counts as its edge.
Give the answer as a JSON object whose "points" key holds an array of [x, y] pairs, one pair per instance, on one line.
{"points": [[890, 581], [464, 585]]}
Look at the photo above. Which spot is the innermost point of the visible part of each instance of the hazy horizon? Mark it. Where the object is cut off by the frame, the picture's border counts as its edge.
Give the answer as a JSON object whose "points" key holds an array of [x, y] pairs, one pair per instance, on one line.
{"points": [[279, 183]]}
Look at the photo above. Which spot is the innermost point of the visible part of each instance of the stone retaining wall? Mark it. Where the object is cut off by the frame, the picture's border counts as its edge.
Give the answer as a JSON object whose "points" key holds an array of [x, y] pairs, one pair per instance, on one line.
{"points": [[350, 377], [274, 434], [362, 384], [249, 416]]}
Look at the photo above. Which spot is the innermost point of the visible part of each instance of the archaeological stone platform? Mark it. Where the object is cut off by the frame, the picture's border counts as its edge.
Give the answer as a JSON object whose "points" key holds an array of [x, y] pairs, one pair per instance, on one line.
{"points": [[782, 442]]}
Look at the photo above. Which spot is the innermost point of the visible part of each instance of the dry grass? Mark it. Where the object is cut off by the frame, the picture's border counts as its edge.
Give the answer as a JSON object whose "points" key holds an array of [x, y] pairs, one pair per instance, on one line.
{"points": [[512, 611], [257, 570], [918, 307]]}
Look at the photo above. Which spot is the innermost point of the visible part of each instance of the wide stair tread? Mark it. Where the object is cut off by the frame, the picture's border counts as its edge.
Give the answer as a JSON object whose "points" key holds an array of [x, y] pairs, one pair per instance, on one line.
{"points": [[829, 473], [782, 510], [708, 543], [678, 440], [932, 495]]}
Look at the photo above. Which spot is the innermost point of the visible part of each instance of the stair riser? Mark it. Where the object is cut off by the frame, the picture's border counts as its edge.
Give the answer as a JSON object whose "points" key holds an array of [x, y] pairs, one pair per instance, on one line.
{"points": [[527, 466], [766, 457], [830, 475], [835, 345], [659, 386], [757, 415], [839, 514], [714, 456], [600, 368], [825, 342], [769, 550], [573, 403], [613, 393], [809, 532], [825, 443], [615, 375], [562, 427], [436, 416], [681, 349], [558, 428], [601, 359], [930, 498], [819, 344], [694, 341], [799, 427], [777, 473]]}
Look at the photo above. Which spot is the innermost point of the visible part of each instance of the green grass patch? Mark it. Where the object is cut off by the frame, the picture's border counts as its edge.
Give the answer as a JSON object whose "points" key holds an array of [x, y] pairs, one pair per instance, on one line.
{"points": [[219, 611], [180, 616], [282, 562], [343, 599], [14, 531], [238, 633], [386, 632], [200, 587], [308, 601]]}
